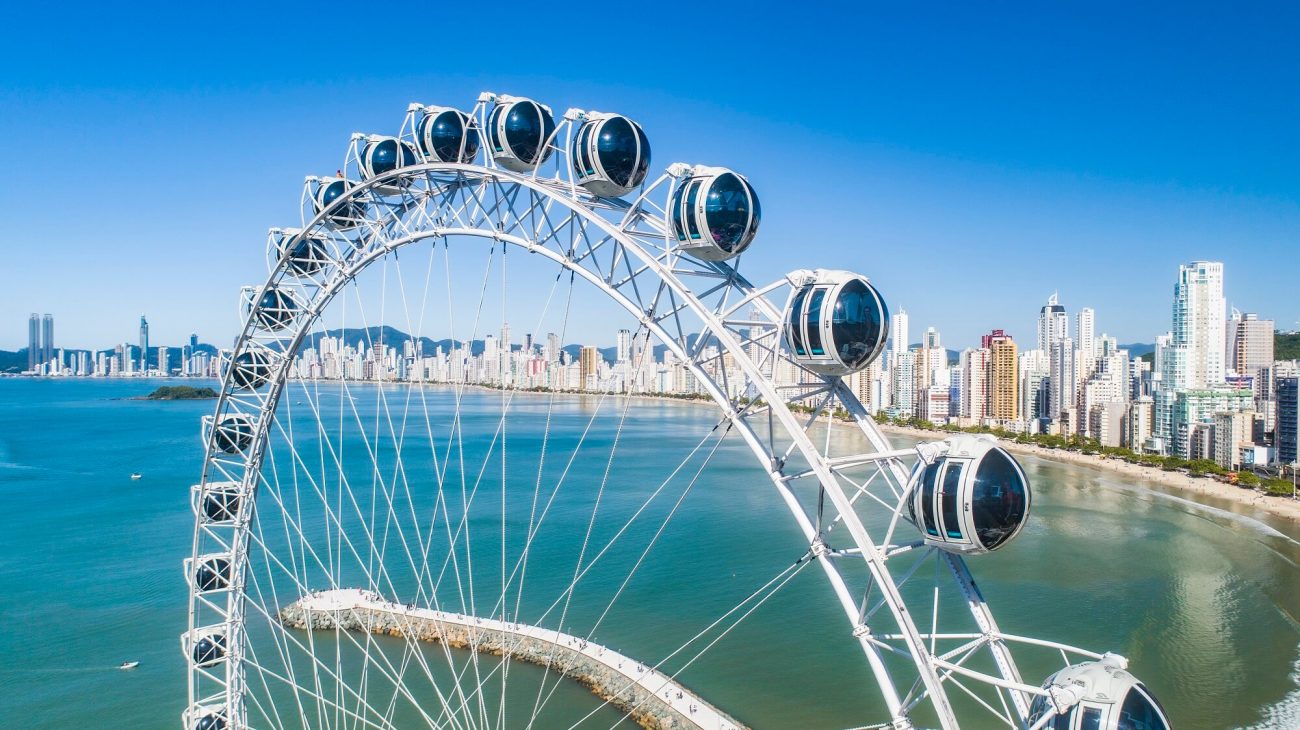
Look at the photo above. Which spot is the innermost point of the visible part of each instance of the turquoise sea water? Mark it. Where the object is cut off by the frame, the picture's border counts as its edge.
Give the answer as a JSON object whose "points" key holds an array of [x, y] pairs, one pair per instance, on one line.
{"points": [[1203, 601]]}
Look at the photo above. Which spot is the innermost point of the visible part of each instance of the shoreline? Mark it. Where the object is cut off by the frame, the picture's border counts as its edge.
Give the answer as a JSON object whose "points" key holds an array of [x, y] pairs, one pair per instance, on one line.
{"points": [[1178, 484], [1249, 503], [1174, 483]]}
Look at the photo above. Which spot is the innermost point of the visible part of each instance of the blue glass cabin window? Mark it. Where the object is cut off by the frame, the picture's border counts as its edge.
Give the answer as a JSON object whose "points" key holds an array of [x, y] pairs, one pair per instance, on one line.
{"points": [[679, 226], [928, 481], [643, 159], [581, 159], [727, 209], [1091, 719], [1041, 706], [449, 138], [1139, 712], [524, 131], [794, 324], [857, 324], [692, 225], [998, 500], [616, 146], [494, 131], [814, 320], [948, 501]]}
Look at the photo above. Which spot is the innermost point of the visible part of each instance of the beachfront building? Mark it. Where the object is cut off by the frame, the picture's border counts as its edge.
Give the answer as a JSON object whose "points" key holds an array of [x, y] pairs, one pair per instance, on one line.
{"points": [[1287, 432]]}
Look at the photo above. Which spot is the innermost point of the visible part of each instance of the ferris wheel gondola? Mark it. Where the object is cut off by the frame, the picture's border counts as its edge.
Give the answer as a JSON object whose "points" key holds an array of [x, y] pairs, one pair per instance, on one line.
{"points": [[519, 133], [715, 214], [611, 155], [447, 135]]}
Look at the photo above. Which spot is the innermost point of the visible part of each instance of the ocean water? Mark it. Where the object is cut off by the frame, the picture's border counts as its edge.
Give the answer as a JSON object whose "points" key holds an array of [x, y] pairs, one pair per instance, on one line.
{"points": [[1203, 600]]}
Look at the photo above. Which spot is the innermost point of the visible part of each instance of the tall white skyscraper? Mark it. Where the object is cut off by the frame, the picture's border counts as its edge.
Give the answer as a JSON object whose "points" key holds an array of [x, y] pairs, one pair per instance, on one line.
{"points": [[1199, 310], [1085, 331], [1053, 324], [898, 331], [624, 349], [1062, 377]]}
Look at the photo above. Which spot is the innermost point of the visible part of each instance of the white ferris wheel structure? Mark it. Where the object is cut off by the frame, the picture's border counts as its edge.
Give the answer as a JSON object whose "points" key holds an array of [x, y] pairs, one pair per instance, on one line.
{"points": [[353, 567]]}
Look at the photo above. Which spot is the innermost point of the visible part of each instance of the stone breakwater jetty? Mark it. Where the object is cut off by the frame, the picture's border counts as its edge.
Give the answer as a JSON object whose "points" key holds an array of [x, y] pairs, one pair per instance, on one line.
{"points": [[652, 699]]}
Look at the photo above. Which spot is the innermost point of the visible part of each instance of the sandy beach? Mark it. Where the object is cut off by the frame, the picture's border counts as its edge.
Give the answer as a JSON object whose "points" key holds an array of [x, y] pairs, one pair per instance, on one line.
{"points": [[1177, 483]]}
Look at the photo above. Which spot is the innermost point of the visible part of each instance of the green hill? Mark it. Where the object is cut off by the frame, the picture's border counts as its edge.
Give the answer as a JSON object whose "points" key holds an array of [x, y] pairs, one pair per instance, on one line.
{"points": [[1286, 346]]}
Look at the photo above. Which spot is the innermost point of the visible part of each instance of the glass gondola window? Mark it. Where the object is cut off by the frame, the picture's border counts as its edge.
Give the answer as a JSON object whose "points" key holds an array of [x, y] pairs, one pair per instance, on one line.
{"points": [[795, 325], [209, 650], [304, 254], [212, 574], [857, 324], [1139, 712], [234, 433], [999, 500], [618, 150], [251, 369], [528, 131], [210, 722], [929, 479], [347, 215], [275, 309], [692, 224], [815, 323], [221, 505], [1091, 719], [948, 500], [493, 124], [584, 152], [643, 164], [728, 210]]}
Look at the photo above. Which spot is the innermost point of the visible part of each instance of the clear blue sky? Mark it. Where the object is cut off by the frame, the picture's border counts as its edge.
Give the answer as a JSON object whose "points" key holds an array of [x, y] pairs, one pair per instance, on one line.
{"points": [[970, 160]]}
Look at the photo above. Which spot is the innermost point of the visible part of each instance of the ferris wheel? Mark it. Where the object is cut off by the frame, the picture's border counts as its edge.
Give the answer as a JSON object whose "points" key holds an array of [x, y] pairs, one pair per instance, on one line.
{"points": [[406, 519]]}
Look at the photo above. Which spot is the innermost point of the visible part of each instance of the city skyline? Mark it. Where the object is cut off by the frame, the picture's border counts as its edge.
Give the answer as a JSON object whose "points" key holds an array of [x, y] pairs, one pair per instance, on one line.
{"points": [[942, 184]]}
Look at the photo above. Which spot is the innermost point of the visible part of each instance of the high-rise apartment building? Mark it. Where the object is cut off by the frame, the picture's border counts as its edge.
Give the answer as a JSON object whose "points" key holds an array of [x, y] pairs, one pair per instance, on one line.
{"points": [[623, 351], [1194, 355], [33, 341], [1249, 344], [976, 365], [898, 331], [47, 338], [144, 344], [1053, 324], [1287, 429], [589, 366], [1061, 377], [1004, 376], [1085, 326], [1198, 316]]}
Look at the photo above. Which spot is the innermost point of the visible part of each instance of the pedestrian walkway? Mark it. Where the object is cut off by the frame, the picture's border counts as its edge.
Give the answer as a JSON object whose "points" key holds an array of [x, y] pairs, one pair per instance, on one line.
{"points": [[651, 697]]}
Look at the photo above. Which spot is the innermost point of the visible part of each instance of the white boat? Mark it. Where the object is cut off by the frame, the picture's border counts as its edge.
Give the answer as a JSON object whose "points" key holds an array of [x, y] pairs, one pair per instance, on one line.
{"points": [[128, 665], [134, 477]]}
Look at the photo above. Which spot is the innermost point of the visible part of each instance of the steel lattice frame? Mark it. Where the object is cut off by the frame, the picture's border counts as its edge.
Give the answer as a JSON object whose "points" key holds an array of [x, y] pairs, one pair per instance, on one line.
{"points": [[626, 251]]}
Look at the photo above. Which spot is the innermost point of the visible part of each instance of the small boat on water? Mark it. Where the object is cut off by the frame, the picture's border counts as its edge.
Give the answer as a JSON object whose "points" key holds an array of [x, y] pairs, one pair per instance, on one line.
{"points": [[128, 665], [134, 477]]}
